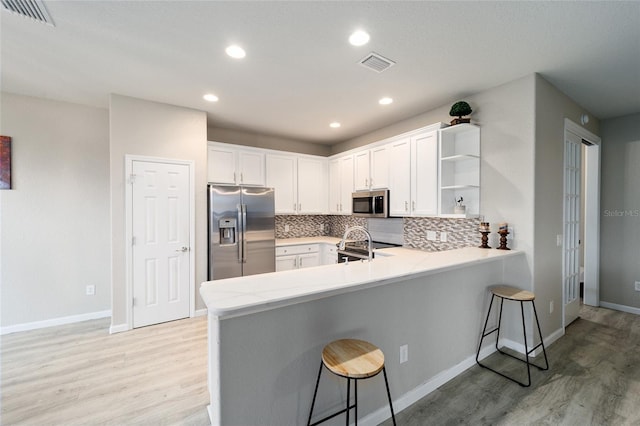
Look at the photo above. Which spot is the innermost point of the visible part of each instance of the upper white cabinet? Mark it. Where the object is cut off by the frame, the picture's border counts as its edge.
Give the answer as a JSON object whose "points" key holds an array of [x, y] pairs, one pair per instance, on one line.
{"points": [[400, 177], [424, 174], [460, 170], [300, 183], [233, 165], [341, 174], [413, 174], [371, 169]]}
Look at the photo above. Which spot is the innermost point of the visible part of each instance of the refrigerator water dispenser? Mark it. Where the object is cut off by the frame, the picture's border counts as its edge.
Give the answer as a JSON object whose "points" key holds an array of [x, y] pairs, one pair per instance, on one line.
{"points": [[227, 228]]}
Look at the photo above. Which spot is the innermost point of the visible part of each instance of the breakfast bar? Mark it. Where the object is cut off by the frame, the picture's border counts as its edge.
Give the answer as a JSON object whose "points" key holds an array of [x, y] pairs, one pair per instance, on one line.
{"points": [[266, 331]]}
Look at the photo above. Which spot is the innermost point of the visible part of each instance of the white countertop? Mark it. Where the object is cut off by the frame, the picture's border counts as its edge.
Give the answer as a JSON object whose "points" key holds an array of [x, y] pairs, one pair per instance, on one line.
{"points": [[281, 242], [244, 295]]}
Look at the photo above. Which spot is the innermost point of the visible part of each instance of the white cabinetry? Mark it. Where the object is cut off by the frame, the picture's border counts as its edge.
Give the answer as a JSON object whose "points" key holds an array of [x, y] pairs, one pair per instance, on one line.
{"points": [[329, 254], [459, 170], [424, 174], [340, 184], [232, 165], [300, 183], [400, 177], [371, 169], [296, 257], [413, 177]]}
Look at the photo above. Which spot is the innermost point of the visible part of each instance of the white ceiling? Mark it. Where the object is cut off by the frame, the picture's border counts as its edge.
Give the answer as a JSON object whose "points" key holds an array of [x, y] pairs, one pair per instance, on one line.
{"points": [[301, 73]]}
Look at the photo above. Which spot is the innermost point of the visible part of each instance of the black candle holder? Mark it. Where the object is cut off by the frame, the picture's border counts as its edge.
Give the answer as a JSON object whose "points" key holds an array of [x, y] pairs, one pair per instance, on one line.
{"points": [[503, 240], [485, 239]]}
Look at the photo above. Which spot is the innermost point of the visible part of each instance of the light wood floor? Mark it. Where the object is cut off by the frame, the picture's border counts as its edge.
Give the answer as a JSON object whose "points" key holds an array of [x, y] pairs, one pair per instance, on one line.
{"points": [[594, 379], [79, 374]]}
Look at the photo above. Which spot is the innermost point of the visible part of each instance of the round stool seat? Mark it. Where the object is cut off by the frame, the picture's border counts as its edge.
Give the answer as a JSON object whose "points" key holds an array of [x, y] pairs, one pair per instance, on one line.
{"points": [[352, 358], [512, 293]]}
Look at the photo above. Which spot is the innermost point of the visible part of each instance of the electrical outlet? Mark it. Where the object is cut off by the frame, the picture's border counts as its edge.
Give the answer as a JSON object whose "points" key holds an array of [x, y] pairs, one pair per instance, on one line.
{"points": [[404, 354], [559, 240], [286, 228], [91, 290], [551, 307], [431, 235], [637, 285], [443, 237]]}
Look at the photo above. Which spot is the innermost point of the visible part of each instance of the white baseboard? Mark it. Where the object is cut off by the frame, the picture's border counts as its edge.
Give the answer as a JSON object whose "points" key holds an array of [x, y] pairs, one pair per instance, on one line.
{"points": [[53, 322], [419, 392], [623, 308], [201, 312], [119, 328]]}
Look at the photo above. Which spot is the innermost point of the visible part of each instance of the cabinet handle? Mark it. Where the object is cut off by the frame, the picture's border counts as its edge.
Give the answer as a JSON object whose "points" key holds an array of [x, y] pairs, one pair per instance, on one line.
{"points": [[366, 183], [294, 207], [340, 206], [413, 205], [241, 177], [406, 206], [299, 208], [301, 262], [295, 262], [337, 207], [234, 177]]}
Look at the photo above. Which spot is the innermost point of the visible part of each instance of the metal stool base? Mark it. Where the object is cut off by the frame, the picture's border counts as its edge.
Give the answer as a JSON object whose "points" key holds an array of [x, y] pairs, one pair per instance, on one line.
{"points": [[348, 407], [528, 351]]}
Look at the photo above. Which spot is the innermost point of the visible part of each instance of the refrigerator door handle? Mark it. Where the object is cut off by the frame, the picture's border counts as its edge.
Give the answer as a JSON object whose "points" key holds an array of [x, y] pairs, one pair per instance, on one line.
{"points": [[240, 230], [244, 233]]}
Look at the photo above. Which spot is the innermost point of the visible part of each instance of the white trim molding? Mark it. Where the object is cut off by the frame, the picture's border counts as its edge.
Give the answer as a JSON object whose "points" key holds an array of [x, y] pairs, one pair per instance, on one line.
{"points": [[54, 321], [622, 308]]}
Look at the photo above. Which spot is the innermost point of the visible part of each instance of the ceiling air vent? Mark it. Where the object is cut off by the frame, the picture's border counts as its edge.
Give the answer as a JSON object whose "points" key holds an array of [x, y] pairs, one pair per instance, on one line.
{"points": [[32, 9], [377, 63]]}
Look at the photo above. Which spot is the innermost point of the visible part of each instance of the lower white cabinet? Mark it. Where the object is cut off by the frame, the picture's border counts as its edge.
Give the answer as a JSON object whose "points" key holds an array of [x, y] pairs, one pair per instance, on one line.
{"points": [[329, 254], [297, 257]]}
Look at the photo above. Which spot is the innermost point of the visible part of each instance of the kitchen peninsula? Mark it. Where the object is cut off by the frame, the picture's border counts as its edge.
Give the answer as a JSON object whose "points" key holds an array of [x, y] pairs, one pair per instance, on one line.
{"points": [[266, 332]]}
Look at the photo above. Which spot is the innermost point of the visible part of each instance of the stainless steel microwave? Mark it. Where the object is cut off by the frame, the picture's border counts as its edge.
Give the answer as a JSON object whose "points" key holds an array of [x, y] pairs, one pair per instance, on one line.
{"points": [[370, 203]]}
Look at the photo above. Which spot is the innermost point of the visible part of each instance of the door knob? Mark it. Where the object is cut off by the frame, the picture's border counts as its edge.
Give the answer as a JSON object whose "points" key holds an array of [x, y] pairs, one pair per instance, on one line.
{"points": [[183, 249]]}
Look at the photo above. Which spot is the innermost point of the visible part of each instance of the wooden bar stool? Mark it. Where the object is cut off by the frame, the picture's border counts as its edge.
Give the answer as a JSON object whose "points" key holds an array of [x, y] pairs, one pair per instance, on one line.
{"points": [[515, 294], [354, 360]]}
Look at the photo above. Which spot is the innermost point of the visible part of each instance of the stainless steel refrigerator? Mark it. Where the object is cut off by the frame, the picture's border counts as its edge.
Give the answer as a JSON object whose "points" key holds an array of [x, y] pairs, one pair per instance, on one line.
{"points": [[242, 237]]}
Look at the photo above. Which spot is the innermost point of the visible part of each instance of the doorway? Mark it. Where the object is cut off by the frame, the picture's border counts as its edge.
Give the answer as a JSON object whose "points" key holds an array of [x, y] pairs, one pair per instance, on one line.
{"points": [[160, 234], [581, 190]]}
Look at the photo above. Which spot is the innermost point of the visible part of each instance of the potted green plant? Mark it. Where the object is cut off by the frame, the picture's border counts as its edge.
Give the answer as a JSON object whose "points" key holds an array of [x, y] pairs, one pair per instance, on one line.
{"points": [[459, 109]]}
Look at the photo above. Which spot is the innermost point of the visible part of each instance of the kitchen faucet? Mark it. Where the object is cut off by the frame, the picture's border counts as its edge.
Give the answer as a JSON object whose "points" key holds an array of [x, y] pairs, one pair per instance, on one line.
{"points": [[357, 228]]}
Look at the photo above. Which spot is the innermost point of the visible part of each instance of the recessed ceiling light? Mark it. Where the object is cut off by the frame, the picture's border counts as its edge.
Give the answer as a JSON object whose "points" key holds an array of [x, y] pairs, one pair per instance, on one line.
{"points": [[385, 101], [359, 38], [334, 125], [210, 97], [236, 51]]}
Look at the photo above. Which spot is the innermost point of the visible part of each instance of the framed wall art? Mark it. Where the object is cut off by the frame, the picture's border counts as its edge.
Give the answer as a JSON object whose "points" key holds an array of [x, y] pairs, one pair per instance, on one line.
{"points": [[5, 162]]}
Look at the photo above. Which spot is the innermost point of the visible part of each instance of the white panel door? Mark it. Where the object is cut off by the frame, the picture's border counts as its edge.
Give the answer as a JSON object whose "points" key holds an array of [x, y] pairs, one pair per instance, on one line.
{"points": [[161, 247], [571, 244], [424, 191], [399, 177], [281, 175]]}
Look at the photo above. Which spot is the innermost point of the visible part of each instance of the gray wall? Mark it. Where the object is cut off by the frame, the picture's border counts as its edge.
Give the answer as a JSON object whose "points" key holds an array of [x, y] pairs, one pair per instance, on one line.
{"points": [[257, 140], [140, 127], [552, 107], [620, 207], [54, 223]]}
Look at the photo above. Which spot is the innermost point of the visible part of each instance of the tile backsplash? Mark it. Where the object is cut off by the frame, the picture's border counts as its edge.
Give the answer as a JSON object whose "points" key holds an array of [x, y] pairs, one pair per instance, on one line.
{"points": [[460, 232]]}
